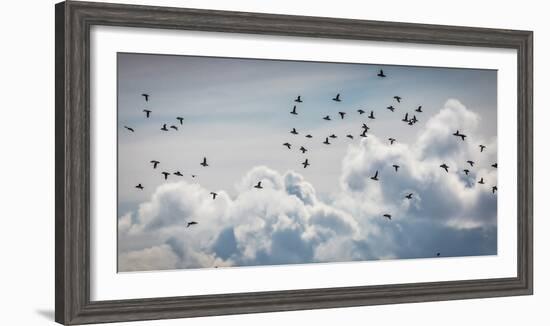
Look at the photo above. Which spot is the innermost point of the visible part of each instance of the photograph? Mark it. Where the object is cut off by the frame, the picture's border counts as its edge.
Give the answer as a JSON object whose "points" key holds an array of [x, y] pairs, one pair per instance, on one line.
{"points": [[235, 162]]}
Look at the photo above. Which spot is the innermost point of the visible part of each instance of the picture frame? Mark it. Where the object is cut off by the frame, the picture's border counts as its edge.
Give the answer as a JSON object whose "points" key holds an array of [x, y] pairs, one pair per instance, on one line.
{"points": [[73, 304]]}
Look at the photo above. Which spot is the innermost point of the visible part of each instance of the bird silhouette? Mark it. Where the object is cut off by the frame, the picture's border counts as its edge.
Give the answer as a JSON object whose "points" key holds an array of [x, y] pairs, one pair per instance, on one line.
{"points": [[371, 116], [259, 185], [164, 127], [130, 129], [392, 140], [396, 167], [494, 165], [174, 127], [381, 73], [397, 98], [306, 163], [303, 149], [375, 177], [333, 136], [192, 223], [444, 166], [466, 171], [438, 254], [494, 189], [178, 173], [203, 163], [364, 133], [326, 141], [337, 98], [166, 174], [364, 126], [419, 109], [146, 97], [458, 134], [406, 118], [481, 182], [391, 108], [414, 120], [309, 136], [470, 162], [361, 111], [155, 163], [342, 114], [482, 147], [140, 187], [327, 118], [409, 196], [180, 119], [349, 136], [147, 113], [294, 111], [287, 145], [213, 195], [293, 131], [298, 99], [388, 216]]}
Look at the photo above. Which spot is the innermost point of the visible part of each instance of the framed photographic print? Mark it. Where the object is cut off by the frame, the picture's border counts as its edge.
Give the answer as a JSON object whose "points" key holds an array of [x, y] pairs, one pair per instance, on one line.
{"points": [[214, 162]]}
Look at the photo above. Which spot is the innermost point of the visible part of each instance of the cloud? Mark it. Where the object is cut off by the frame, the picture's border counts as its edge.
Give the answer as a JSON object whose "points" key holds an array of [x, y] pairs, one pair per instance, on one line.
{"points": [[287, 223]]}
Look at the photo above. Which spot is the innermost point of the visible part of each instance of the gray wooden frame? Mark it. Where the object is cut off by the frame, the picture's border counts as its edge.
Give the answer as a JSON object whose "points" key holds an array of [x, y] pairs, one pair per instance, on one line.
{"points": [[72, 171]]}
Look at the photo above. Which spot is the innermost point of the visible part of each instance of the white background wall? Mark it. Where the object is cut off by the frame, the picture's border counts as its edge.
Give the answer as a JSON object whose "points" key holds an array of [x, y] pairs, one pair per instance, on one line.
{"points": [[27, 161]]}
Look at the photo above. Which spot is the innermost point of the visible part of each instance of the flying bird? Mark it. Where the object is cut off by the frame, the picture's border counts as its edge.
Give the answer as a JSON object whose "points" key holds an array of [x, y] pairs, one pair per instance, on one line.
{"points": [[481, 182], [466, 171], [470, 162], [458, 134], [303, 149], [342, 114], [337, 98], [178, 173], [309, 136], [306, 163], [375, 177], [298, 99], [371, 116], [192, 223], [388, 216], [409, 196], [140, 187], [494, 189], [406, 118], [213, 195], [173, 127], [381, 73], [164, 127], [364, 133], [361, 111], [419, 109], [146, 97], [392, 140], [293, 131], [391, 108], [130, 129], [166, 174], [259, 185], [349, 136], [396, 167], [180, 119], [287, 145], [147, 113], [294, 111], [444, 166], [482, 147], [397, 98], [494, 165], [414, 120], [438, 254], [326, 141], [155, 163], [203, 163], [333, 136], [364, 126], [327, 118]]}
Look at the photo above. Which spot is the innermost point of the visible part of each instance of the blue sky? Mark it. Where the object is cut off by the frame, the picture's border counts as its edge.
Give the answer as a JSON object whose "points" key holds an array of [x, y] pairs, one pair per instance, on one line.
{"points": [[237, 114]]}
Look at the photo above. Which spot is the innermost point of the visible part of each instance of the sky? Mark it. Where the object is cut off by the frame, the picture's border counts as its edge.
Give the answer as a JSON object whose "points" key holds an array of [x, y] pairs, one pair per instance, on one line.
{"points": [[237, 114]]}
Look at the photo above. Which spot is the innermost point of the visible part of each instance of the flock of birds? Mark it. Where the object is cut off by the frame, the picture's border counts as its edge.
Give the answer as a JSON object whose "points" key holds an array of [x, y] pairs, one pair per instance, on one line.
{"points": [[411, 121]]}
